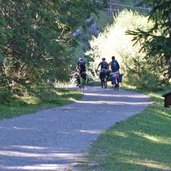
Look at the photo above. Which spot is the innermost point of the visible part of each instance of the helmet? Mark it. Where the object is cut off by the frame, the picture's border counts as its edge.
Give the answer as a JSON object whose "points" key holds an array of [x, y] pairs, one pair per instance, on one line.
{"points": [[80, 59]]}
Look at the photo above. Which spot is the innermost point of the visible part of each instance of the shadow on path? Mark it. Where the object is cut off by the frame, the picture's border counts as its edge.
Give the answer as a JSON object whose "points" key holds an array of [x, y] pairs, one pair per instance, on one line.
{"points": [[54, 139]]}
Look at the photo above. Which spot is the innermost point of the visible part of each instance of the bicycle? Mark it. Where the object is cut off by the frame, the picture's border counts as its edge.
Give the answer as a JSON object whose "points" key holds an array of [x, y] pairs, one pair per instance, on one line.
{"points": [[115, 80], [83, 80], [103, 78]]}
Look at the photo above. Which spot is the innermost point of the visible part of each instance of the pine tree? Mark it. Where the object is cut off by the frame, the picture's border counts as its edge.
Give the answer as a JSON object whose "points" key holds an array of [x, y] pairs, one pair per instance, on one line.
{"points": [[157, 40]]}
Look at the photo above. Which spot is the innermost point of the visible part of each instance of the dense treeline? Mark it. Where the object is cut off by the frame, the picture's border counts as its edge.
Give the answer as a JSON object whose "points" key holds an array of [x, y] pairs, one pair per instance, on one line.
{"points": [[156, 41], [37, 43], [36, 38]]}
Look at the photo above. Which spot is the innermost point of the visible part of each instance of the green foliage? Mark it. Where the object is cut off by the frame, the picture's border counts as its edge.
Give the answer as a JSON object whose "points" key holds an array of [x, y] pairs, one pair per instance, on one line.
{"points": [[36, 42], [102, 20], [101, 3], [5, 95], [141, 74], [1, 58], [157, 40], [5, 33], [129, 2], [138, 69], [36, 38]]}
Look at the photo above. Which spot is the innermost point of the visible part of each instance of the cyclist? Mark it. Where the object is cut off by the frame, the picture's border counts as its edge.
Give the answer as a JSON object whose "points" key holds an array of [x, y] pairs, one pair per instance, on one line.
{"points": [[104, 65], [81, 68], [114, 66], [104, 68]]}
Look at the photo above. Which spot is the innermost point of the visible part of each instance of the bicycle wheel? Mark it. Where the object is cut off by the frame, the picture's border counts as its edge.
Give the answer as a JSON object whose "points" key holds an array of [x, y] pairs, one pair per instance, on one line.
{"points": [[117, 87], [103, 79], [83, 80], [115, 84], [105, 83]]}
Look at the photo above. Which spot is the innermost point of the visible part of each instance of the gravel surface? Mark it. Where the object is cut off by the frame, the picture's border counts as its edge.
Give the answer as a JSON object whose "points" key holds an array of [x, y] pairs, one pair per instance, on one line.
{"points": [[55, 139]]}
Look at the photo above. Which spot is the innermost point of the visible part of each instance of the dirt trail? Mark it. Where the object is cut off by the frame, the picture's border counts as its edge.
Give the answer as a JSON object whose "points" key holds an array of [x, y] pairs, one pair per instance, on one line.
{"points": [[55, 139]]}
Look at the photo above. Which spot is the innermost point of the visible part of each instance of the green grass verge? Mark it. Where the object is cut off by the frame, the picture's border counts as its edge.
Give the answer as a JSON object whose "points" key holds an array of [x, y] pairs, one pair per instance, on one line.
{"points": [[142, 143], [35, 98]]}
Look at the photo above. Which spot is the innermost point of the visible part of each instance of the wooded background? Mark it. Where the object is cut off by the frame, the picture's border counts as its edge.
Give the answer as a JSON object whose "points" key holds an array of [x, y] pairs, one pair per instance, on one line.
{"points": [[41, 40]]}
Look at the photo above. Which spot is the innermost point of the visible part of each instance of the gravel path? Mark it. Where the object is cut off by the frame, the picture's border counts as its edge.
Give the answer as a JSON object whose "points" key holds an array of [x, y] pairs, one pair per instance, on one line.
{"points": [[54, 139]]}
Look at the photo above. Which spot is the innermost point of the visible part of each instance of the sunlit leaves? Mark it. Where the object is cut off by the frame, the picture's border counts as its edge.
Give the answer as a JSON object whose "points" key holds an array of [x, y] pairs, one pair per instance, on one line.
{"points": [[157, 40]]}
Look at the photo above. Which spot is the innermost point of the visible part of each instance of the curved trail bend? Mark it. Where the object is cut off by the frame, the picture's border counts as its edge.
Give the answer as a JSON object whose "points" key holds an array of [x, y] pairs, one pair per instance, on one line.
{"points": [[54, 139]]}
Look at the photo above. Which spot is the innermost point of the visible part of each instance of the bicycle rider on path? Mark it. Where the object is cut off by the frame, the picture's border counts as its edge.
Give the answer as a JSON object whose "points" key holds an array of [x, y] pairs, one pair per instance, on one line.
{"points": [[81, 68], [114, 66], [104, 68]]}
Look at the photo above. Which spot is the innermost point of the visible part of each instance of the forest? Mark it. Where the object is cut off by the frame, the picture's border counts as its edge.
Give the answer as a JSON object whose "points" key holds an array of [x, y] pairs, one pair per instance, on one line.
{"points": [[41, 42]]}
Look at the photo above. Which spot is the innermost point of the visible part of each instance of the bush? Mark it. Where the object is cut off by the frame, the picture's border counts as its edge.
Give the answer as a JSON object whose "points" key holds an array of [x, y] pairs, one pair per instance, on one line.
{"points": [[5, 95], [139, 70]]}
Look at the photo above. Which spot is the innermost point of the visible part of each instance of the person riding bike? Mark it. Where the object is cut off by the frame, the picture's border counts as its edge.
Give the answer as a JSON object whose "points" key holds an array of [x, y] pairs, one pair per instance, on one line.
{"points": [[114, 66], [104, 65], [104, 68], [81, 68]]}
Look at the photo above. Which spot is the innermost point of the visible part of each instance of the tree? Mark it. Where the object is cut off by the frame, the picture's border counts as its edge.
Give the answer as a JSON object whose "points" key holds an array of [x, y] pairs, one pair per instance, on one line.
{"points": [[138, 70], [157, 40], [37, 37]]}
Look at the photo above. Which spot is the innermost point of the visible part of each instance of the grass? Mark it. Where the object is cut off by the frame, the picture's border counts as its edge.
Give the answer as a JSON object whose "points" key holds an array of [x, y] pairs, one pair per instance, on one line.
{"points": [[34, 99], [142, 143]]}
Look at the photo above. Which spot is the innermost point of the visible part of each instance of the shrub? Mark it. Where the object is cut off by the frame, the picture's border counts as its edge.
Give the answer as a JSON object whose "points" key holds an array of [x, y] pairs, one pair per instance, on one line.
{"points": [[138, 69]]}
